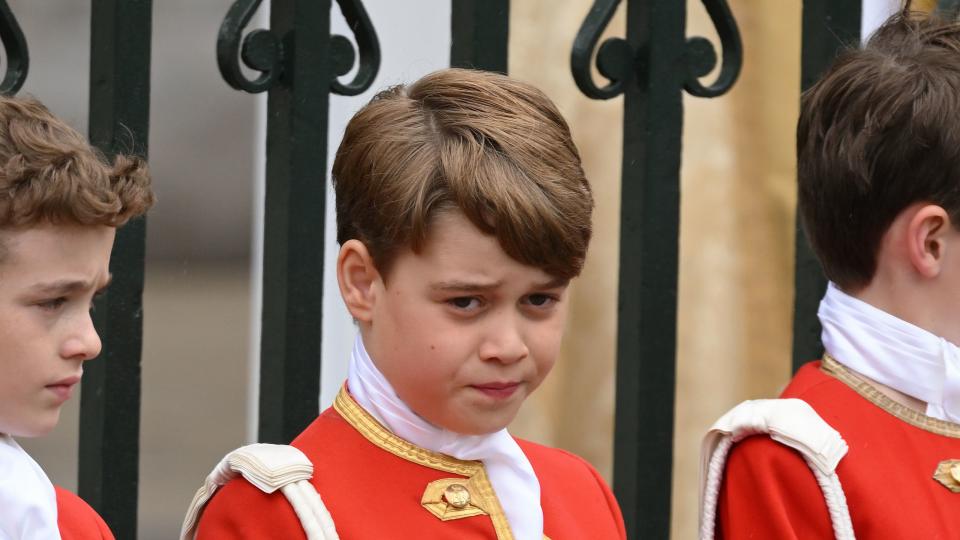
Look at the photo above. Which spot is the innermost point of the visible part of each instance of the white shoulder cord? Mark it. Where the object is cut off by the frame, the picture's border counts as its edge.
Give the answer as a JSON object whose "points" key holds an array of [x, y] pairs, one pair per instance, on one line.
{"points": [[791, 422], [268, 467]]}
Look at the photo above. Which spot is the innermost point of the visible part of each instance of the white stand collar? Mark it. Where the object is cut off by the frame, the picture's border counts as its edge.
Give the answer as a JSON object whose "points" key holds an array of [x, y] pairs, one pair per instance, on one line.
{"points": [[510, 472], [892, 352], [28, 502]]}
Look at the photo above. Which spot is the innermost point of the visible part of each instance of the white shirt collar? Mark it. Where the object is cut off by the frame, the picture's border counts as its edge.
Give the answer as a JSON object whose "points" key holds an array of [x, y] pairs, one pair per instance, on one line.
{"points": [[28, 502], [892, 352], [508, 468]]}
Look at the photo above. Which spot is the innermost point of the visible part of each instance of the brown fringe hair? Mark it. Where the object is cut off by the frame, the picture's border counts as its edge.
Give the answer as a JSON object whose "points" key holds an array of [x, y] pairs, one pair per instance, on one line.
{"points": [[878, 132], [49, 173], [484, 144]]}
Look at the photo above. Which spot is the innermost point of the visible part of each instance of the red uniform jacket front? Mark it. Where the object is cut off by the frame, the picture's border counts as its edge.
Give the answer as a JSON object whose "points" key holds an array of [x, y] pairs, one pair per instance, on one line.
{"points": [[376, 486], [77, 521], [768, 490]]}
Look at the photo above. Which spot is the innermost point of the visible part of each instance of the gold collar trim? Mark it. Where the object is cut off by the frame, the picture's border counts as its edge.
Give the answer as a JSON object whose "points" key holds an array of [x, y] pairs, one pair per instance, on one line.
{"points": [[376, 433], [832, 367]]}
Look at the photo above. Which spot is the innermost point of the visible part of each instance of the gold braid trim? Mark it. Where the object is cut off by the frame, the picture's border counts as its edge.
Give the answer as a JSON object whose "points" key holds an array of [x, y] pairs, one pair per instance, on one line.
{"points": [[834, 368], [373, 431]]}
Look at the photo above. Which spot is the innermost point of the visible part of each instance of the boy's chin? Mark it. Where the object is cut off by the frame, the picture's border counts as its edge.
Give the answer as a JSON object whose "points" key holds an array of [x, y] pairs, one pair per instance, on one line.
{"points": [[38, 427], [467, 418], [478, 426]]}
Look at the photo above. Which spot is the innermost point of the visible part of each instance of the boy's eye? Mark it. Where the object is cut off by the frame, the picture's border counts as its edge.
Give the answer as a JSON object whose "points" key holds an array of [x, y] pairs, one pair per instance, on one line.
{"points": [[541, 300], [465, 303], [52, 304]]}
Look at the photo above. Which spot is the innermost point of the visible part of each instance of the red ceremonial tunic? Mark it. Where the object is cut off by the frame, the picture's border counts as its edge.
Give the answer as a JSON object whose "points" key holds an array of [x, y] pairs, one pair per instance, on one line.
{"points": [[376, 486], [77, 521], [769, 491]]}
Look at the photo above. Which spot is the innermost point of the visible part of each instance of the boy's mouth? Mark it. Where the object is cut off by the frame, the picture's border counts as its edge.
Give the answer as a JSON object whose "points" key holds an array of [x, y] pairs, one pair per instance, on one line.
{"points": [[64, 387], [497, 390]]}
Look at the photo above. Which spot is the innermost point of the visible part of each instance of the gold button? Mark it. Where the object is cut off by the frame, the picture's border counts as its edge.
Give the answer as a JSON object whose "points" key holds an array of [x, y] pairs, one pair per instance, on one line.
{"points": [[955, 472], [457, 495]]}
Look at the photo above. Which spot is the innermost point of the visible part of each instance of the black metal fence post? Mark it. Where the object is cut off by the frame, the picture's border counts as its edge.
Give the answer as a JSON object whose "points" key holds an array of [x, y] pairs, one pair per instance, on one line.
{"points": [[828, 26], [110, 400], [651, 68], [480, 30], [299, 62]]}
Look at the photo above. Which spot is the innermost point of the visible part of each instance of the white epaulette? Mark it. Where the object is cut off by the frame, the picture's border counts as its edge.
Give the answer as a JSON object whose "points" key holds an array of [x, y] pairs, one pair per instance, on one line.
{"points": [[791, 422], [269, 467]]}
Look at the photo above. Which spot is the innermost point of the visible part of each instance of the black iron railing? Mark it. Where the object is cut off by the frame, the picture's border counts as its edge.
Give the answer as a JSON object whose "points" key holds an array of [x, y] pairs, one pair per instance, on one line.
{"points": [[110, 401], [299, 62], [480, 30], [651, 68]]}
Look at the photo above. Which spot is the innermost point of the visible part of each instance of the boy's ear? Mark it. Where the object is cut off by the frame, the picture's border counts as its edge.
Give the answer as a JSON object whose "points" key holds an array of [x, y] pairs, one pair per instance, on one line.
{"points": [[927, 233], [357, 276]]}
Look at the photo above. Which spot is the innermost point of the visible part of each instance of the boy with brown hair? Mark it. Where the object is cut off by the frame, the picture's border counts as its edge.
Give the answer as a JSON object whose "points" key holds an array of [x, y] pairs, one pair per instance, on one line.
{"points": [[878, 455], [462, 214], [60, 205]]}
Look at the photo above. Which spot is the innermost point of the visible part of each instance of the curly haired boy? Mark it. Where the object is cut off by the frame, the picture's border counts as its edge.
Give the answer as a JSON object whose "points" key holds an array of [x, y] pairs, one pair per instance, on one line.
{"points": [[60, 205]]}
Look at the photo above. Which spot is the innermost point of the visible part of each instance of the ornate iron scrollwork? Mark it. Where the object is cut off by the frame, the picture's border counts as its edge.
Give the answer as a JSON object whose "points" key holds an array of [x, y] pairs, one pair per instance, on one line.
{"points": [[262, 50], [614, 59], [617, 61], [701, 57], [15, 47], [367, 43]]}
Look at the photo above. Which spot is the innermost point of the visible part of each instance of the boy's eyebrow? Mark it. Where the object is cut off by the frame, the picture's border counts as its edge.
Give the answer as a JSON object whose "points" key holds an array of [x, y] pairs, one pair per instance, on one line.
{"points": [[68, 286], [553, 283], [470, 286]]}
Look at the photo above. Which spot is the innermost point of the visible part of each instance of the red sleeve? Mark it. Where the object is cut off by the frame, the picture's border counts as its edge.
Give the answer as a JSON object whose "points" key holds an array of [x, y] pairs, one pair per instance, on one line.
{"points": [[769, 491], [612, 505], [77, 521], [240, 510], [611, 502]]}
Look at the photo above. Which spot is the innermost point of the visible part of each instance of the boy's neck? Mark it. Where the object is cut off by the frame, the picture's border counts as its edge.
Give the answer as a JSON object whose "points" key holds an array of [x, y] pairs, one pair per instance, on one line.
{"points": [[907, 304], [918, 303]]}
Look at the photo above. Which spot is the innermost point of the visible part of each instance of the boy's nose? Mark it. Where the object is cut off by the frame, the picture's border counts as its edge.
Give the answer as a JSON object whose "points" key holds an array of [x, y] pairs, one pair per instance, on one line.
{"points": [[83, 342], [504, 344]]}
